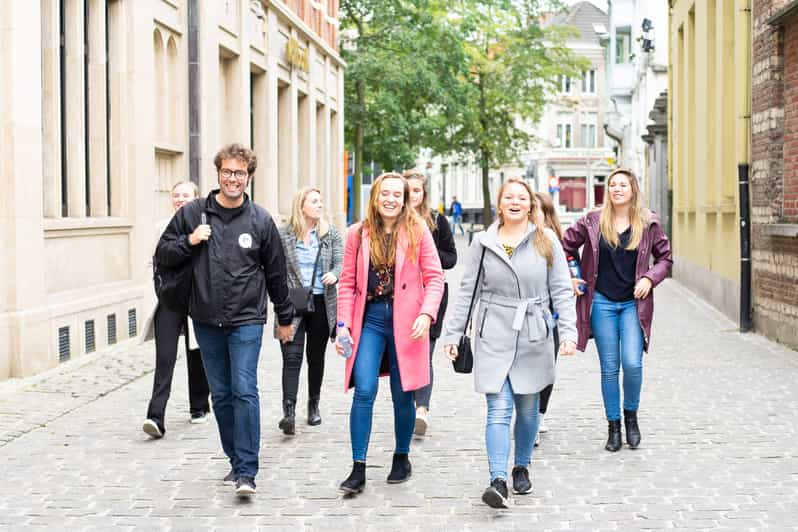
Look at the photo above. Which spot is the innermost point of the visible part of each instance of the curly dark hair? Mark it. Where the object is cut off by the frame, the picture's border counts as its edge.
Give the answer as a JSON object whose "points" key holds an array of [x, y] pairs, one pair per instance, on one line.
{"points": [[237, 151]]}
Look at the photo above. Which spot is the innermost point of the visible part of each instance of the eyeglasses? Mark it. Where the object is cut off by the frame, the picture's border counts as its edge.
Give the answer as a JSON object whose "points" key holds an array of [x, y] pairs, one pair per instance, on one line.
{"points": [[239, 174]]}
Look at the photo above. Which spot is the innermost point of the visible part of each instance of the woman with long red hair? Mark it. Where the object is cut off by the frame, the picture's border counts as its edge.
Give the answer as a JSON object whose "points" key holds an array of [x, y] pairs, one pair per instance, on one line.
{"points": [[388, 295]]}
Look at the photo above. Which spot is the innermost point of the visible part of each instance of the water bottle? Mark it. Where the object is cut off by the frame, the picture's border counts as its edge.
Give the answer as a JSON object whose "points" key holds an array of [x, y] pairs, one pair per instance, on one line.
{"points": [[576, 272], [344, 340]]}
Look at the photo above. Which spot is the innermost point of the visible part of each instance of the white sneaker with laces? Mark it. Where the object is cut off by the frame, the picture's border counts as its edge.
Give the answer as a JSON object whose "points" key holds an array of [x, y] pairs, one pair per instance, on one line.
{"points": [[422, 421], [151, 428], [542, 427]]}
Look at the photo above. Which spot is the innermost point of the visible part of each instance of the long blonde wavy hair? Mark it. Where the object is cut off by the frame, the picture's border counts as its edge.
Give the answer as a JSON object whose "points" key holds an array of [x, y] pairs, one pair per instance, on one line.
{"points": [[297, 219], [540, 240], [383, 250], [638, 216]]}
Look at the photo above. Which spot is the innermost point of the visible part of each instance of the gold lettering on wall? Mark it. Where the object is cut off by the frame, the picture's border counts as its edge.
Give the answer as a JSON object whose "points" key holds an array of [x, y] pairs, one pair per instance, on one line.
{"points": [[296, 56]]}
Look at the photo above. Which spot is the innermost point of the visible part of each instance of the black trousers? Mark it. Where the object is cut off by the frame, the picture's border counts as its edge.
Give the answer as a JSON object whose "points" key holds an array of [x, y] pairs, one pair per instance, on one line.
{"points": [[317, 330], [545, 394], [168, 326]]}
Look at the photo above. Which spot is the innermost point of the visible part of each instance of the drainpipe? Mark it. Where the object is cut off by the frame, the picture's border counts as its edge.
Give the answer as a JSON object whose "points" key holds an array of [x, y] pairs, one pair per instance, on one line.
{"points": [[743, 51], [194, 84], [617, 136]]}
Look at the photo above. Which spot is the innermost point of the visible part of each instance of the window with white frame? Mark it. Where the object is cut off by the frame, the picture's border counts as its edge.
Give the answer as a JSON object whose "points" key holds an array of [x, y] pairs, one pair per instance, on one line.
{"points": [[564, 136], [589, 82], [587, 132], [565, 84], [623, 45]]}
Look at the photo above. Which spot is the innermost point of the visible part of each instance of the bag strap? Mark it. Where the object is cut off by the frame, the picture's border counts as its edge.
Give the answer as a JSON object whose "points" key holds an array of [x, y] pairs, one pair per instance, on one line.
{"points": [[474, 293], [315, 265]]}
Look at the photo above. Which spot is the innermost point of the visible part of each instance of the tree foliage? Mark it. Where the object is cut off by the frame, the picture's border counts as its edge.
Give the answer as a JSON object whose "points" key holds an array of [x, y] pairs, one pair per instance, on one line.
{"points": [[456, 76]]}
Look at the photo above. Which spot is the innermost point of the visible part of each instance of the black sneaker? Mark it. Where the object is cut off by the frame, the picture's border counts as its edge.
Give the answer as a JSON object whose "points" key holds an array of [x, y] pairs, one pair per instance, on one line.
{"points": [[521, 483], [496, 494], [245, 486], [230, 478]]}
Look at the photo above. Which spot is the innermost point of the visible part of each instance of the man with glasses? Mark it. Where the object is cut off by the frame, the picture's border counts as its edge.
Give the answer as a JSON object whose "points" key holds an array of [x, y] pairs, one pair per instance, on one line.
{"points": [[237, 258]]}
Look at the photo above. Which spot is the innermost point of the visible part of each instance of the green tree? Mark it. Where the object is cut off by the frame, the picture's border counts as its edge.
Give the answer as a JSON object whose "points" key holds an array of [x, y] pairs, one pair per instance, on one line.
{"points": [[512, 66], [403, 62]]}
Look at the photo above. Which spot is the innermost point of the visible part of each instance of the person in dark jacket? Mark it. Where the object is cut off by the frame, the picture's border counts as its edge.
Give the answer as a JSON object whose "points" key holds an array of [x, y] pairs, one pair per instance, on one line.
{"points": [[619, 242], [235, 249], [447, 252]]}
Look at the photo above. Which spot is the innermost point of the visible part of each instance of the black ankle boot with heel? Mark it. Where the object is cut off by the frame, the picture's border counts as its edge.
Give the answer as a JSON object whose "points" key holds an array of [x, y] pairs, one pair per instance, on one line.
{"points": [[288, 422], [614, 441], [314, 416], [356, 480], [632, 430], [400, 469]]}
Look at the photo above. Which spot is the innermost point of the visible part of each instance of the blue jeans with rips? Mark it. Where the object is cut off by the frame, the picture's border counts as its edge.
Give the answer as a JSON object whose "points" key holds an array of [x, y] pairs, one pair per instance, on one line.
{"points": [[619, 340], [230, 356], [497, 428], [375, 339]]}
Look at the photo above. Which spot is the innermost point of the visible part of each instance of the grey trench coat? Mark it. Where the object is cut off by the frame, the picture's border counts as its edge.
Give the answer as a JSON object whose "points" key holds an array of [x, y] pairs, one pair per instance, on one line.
{"points": [[512, 330]]}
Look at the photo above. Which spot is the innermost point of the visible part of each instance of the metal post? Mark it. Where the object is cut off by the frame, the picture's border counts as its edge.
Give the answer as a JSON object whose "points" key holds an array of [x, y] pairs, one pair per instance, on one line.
{"points": [[745, 250]]}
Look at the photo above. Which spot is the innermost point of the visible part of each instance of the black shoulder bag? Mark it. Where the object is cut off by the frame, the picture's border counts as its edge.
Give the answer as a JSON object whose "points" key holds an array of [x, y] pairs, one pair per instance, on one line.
{"points": [[302, 296], [465, 357]]}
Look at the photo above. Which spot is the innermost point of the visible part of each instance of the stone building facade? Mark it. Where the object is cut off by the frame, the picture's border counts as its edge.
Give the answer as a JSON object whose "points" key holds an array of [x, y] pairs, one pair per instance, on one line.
{"points": [[104, 105], [774, 175]]}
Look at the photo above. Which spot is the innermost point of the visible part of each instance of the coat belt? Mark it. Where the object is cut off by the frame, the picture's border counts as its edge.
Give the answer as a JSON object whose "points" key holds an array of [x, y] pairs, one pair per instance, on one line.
{"points": [[530, 308]]}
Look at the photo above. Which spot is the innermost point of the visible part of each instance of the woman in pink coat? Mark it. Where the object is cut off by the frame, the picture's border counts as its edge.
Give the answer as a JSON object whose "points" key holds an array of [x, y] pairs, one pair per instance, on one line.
{"points": [[388, 295]]}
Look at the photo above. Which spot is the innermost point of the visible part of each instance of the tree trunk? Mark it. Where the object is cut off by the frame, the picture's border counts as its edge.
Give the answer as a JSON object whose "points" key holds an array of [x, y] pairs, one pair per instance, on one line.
{"points": [[487, 215], [357, 179]]}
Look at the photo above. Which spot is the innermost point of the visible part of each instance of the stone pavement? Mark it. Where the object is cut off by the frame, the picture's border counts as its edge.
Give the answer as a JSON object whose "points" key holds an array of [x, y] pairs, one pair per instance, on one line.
{"points": [[719, 415]]}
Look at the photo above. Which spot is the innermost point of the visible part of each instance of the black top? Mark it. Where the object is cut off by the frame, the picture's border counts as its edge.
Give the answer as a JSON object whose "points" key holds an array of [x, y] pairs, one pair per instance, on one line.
{"points": [[380, 282], [616, 271], [444, 242]]}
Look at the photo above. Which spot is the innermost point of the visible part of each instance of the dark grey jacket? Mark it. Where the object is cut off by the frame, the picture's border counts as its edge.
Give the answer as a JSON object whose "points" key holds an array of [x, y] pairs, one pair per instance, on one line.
{"points": [[331, 261]]}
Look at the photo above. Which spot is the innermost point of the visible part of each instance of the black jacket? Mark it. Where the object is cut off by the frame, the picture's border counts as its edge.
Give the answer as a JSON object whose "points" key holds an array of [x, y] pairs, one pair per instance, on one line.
{"points": [[444, 241], [232, 270]]}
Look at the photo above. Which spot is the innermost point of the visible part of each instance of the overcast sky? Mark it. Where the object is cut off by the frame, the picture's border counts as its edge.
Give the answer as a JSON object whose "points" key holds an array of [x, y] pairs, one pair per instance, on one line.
{"points": [[602, 4]]}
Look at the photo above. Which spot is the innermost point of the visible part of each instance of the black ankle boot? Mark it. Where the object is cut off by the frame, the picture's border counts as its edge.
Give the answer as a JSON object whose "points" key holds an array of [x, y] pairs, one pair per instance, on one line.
{"points": [[356, 480], [614, 442], [289, 417], [314, 416], [632, 430], [400, 469]]}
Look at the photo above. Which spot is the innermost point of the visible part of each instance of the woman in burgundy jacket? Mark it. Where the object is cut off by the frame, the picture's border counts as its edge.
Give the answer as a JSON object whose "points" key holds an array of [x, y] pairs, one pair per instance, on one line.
{"points": [[617, 305]]}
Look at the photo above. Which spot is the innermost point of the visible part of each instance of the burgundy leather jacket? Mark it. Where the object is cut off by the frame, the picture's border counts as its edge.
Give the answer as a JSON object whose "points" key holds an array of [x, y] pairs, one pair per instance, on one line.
{"points": [[654, 244]]}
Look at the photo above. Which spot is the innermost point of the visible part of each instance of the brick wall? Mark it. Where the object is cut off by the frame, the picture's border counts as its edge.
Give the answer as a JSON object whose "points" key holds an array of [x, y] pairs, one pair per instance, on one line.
{"points": [[321, 16], [774, 172]]}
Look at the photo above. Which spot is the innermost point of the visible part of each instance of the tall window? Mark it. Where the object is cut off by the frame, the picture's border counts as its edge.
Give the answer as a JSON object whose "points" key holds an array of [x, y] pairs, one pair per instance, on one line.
{"points": [[623, 45], [587, 133], [565, 84], [589, 82], [564, 135]]}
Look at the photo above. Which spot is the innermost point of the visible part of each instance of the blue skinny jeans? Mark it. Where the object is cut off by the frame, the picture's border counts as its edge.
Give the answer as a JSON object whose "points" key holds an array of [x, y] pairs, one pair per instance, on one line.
{"points": [[619, 340], [497, 428], [375, 339]]}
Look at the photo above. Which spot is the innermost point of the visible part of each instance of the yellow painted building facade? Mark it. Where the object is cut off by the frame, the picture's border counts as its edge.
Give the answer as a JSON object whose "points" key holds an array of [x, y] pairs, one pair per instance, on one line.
{"points": [[709, 136]]}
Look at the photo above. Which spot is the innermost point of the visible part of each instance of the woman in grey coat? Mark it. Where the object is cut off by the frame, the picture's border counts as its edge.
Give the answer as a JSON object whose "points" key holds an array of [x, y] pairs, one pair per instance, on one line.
{"points": [[523, 268], [314, 255]]}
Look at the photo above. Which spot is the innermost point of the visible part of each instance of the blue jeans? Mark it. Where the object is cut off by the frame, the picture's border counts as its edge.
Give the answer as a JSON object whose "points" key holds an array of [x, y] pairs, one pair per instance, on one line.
{"points": [[230, 356], [497, 428], [377, 335], [619, 340], [457, 221]]}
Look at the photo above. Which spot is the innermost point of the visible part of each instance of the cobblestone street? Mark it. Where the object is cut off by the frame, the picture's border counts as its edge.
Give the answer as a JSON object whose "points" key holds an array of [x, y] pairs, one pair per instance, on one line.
{"points": [[719, 415]]}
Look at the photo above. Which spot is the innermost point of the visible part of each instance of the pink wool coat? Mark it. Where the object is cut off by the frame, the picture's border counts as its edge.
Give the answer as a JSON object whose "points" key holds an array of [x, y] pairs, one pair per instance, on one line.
{"points": [[418, 288]]}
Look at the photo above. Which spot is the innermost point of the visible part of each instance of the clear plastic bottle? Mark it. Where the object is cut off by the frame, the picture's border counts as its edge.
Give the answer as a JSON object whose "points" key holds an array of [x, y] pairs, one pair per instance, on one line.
{"points": [[576, 272], [344, 340]]}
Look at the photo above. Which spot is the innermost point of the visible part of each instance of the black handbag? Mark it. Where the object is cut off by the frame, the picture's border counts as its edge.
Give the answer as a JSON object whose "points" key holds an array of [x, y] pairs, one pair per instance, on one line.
{"points": [[302, 296], [464, 362]]}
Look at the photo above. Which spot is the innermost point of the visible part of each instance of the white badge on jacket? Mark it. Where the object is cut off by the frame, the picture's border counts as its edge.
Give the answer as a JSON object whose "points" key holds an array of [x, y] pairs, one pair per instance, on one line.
{"points": [[245, 240]]}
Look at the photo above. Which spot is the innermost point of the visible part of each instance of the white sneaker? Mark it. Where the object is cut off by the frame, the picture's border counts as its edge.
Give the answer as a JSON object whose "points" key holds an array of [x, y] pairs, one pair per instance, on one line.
{"points": [[151, 428], [537, 439], [422, 421], [199, 418], [542, 427]]}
